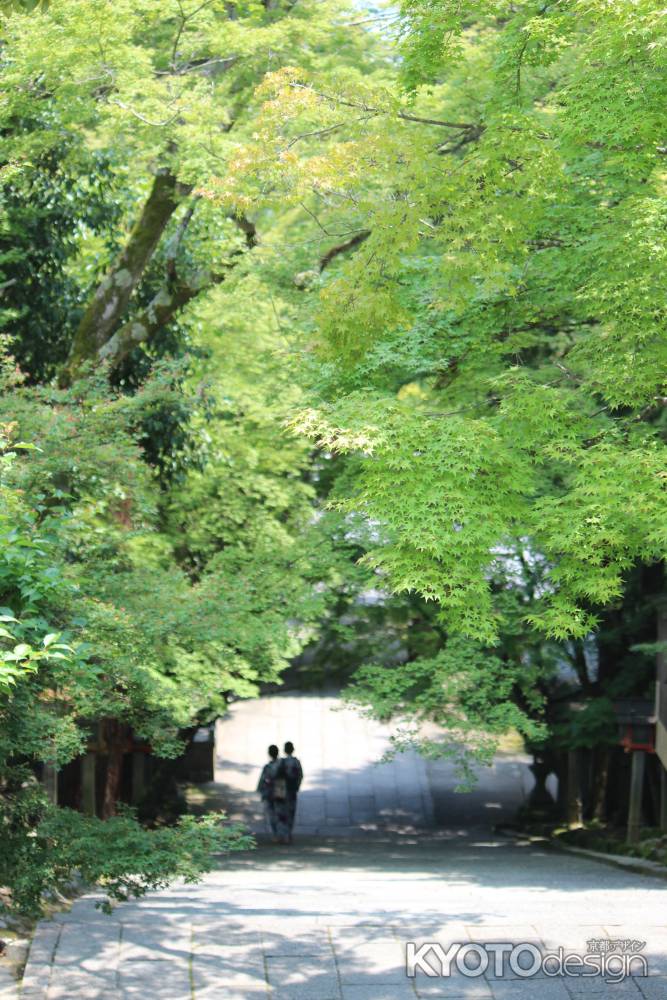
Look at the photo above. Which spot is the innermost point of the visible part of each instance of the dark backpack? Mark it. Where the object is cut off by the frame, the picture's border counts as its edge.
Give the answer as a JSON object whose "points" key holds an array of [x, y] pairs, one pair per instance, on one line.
{"points": [[278, 784]]}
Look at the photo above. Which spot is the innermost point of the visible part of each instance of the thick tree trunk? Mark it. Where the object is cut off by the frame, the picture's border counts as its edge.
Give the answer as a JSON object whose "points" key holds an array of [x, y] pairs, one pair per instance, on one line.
{"points": [[173, 296], [661, 683], [116, 737], [50, 782], [636, 795], [88, 784], [110, 301], [102, 335], [138, 775]]}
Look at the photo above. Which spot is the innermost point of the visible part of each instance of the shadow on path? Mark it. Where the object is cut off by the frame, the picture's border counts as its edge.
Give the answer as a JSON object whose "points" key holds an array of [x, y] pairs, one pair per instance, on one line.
{"points": [[383, 855]]}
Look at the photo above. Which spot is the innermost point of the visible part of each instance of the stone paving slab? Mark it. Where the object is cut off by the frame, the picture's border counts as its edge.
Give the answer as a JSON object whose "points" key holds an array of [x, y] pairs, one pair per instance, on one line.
{"points": [[460, 990], [8, 986], [297, 945], [596, 989], [70, 983], [229, 993], [553, 989], [391, 992], [653, 989], [228, 973]]}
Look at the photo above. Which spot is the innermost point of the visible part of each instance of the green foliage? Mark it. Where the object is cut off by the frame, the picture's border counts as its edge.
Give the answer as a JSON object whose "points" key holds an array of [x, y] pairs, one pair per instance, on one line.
{"points": [[163, 471], [22, 658], [48, 691], [444, 271], [462, 688], [491, 359], [82, 547], [47, 847], [589, 724], [44, 211], [520, 230]]}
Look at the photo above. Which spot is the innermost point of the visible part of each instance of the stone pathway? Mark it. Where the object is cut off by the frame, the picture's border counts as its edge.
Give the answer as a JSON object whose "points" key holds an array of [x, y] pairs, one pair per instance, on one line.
{"points": [[345, 791], [344, 788], [329, 918]]}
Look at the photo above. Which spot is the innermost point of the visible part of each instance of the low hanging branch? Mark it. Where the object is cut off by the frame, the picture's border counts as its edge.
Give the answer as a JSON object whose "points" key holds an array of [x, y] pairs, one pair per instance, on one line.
{"points": [[247, 227], [306, 279], [168, 302], [160, 311]]}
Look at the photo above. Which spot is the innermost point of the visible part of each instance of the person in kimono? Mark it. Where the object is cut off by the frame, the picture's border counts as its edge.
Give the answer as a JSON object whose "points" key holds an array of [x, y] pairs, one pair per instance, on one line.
{"points": [[266, 786], [293, 774]]}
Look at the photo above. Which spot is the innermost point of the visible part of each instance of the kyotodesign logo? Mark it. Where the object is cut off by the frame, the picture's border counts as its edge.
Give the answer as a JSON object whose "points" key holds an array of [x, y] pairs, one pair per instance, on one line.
{"points": [[612, 960]]}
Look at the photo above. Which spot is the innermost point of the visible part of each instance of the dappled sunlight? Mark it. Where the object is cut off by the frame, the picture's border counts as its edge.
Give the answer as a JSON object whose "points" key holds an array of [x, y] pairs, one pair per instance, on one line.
{"points": [[329, 917], [336, 916]]}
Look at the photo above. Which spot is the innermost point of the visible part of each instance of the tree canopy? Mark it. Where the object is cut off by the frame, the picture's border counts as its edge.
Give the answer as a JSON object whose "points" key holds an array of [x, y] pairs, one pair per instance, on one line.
{"points": [[302, 305], [499, 334]]}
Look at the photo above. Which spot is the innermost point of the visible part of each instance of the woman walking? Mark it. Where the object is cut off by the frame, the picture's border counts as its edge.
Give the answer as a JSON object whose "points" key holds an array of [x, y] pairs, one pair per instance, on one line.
{"points": [[267, 786]]}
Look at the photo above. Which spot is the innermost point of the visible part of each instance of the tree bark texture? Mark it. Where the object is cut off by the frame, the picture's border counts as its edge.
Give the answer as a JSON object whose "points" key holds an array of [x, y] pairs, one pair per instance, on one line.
{"points": [[111, 299], [104, 333]]}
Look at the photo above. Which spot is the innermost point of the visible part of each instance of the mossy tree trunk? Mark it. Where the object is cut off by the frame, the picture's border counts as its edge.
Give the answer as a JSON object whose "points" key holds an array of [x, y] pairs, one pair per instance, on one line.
{"points": [[105, 333], [109, 304]]}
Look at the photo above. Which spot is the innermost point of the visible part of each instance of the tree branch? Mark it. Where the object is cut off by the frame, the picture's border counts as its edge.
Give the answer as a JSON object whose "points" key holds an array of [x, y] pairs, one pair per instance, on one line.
{"points": [[161, 310], [247, 228], [112, 296], [350, 244], [317, 132], [185, 19], [201, 65], [171, 299], [380, 111], [142, 118], [175, 243], [463, 139]]}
